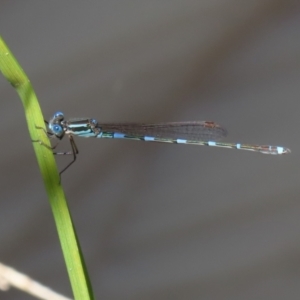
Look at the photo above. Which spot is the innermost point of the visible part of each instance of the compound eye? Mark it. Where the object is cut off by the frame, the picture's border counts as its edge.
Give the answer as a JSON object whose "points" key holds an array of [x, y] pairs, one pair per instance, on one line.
{"points": [[57, 130], [59, 116]]}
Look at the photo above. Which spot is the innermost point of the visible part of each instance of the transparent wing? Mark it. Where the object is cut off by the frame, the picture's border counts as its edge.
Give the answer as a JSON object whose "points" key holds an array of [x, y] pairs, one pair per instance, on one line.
{"points": [[194, 130]]}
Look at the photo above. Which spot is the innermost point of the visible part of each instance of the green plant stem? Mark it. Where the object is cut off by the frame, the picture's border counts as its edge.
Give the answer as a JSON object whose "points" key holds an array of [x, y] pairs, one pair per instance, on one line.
{"points": [[13, 72]]}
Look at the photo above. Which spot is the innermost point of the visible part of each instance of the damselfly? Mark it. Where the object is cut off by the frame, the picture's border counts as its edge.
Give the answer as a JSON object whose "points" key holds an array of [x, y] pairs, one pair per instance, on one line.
{"points": [[202, 133]]}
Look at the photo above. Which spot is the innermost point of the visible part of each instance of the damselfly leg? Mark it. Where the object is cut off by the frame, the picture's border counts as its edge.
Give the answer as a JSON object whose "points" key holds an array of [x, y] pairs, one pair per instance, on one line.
{"points": [[74, 150]]}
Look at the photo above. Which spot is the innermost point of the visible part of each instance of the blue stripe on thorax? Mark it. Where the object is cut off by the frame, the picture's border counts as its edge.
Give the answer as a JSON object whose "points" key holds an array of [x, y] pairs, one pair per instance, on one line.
{"points": [[82, 130]]}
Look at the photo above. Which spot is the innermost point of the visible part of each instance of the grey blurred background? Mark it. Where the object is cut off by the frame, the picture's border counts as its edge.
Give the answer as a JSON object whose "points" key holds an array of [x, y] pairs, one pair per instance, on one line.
{"points": [[159, 221]]}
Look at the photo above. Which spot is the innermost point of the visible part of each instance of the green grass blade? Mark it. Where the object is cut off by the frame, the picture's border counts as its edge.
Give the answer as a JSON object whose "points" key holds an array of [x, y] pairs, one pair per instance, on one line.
{"points": [[12, 71]]}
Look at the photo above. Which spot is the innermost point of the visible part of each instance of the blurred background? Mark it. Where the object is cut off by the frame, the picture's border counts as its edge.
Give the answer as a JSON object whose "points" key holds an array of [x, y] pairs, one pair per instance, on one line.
{"points": [[159, 221]]}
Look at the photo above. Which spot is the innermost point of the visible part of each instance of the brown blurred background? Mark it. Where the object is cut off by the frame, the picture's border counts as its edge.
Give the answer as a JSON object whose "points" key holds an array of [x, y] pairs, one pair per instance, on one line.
{"points": [[159, 221]]}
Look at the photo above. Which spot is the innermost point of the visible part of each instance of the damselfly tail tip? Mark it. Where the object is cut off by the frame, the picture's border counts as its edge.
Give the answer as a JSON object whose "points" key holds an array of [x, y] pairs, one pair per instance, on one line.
{"points": [[275, 150], [281, 150]]}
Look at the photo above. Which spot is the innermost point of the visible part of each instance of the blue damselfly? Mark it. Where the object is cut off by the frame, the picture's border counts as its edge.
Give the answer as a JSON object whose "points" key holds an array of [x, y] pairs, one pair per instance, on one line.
{"points": [[202, 133]]}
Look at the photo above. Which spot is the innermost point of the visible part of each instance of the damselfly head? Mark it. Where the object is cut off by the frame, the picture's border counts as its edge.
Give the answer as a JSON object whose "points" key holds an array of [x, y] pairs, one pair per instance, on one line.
{"points": [[55, 124]]}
